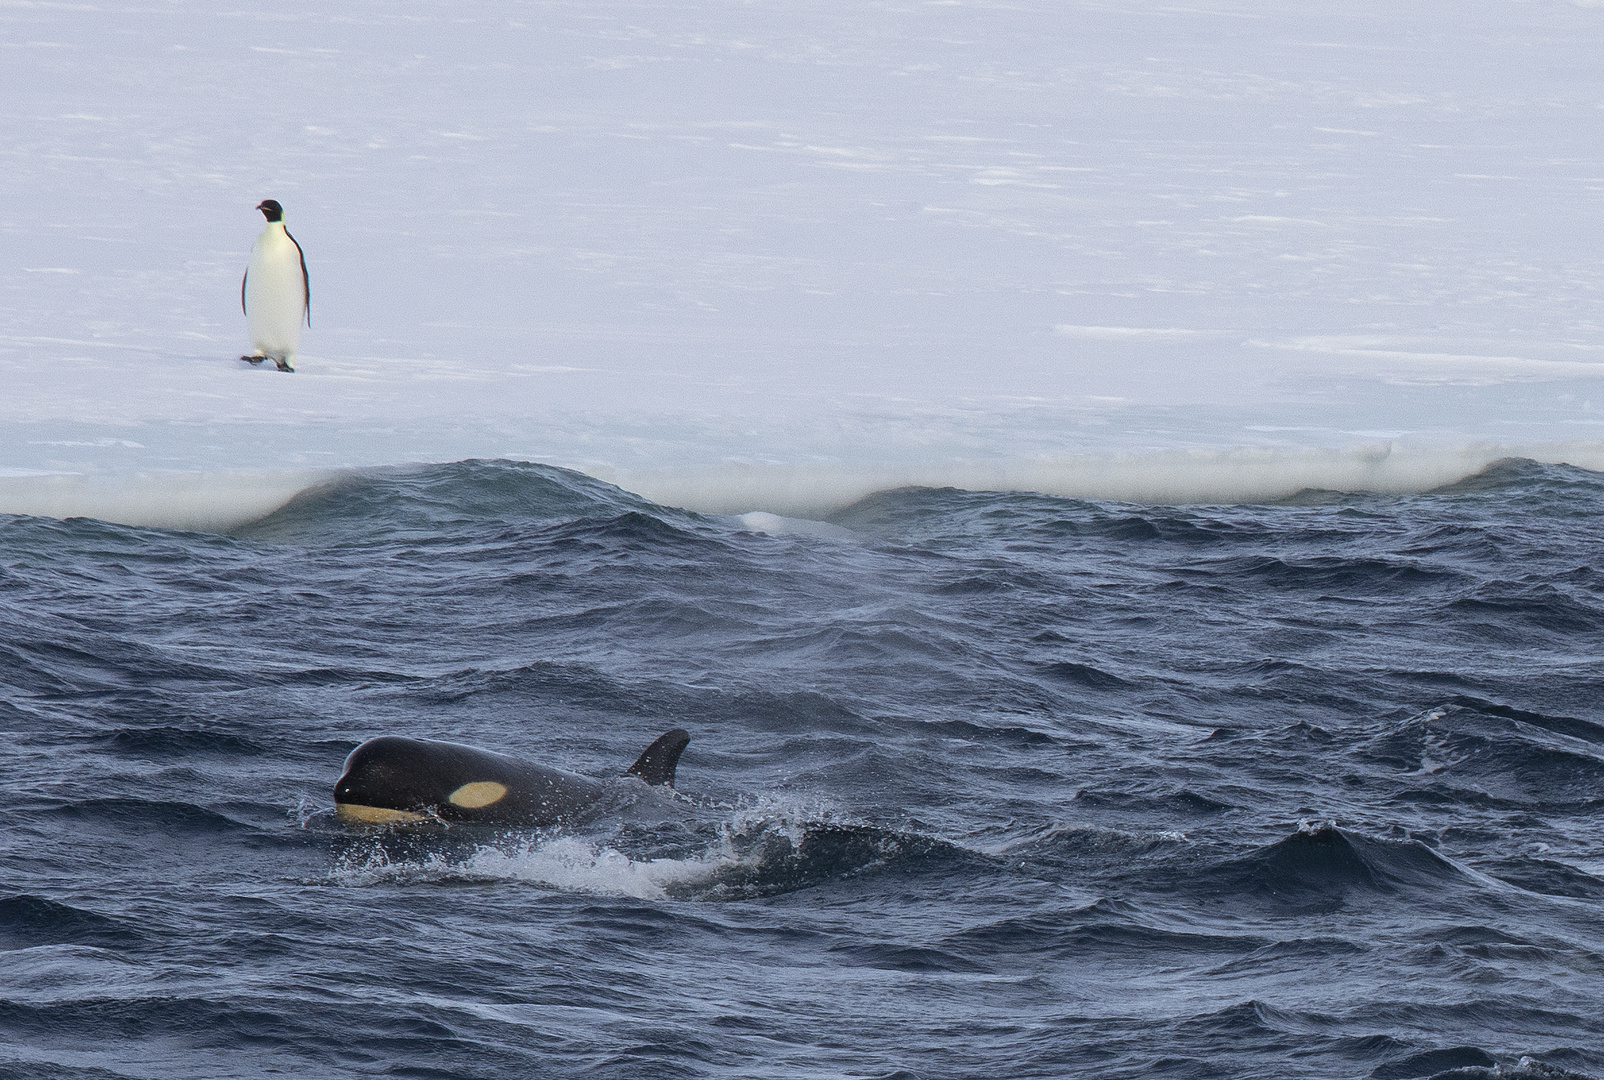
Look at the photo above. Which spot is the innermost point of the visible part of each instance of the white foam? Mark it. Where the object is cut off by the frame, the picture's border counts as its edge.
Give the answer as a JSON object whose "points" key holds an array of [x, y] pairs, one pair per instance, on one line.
{"points": [[577, 865], [566, 863], [775, 525], [202, 501], [592, 865]]}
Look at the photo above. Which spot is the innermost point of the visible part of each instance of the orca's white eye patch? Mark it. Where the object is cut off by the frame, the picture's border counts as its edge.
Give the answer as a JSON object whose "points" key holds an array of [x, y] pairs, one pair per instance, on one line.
{"points": [[479, 793]]}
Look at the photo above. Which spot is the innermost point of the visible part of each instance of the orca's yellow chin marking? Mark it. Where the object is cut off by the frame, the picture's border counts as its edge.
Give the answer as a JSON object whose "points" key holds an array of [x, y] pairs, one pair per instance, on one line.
{"points": [[479, 793], [376, 815]]}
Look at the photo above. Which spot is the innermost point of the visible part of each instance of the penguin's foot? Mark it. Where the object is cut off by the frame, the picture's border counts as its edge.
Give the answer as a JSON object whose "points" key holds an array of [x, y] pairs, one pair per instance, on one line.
{"points": [[254, 361], [284, 365]]}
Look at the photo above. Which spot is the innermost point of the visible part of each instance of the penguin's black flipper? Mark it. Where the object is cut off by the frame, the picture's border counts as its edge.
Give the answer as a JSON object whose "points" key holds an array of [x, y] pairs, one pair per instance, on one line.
{"points": [[306, 282], [656, 766]]}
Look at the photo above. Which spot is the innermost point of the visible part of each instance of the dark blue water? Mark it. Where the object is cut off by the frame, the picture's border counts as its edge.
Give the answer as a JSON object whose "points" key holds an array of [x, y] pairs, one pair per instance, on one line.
{"points": [[993, 785]]}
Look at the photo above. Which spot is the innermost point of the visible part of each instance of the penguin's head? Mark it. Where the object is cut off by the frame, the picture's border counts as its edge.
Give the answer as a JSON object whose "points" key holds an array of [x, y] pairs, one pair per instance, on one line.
{"points": [[271, 209]]}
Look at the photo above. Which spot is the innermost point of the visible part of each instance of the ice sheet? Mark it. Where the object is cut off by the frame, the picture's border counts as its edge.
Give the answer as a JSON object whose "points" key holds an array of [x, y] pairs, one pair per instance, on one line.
{"points": [[873, 238]]}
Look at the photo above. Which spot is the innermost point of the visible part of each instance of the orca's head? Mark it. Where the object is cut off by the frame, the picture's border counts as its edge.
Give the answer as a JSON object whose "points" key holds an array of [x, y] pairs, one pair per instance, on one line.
{"points": [[387, 779], [393, 779], [271, 210]]}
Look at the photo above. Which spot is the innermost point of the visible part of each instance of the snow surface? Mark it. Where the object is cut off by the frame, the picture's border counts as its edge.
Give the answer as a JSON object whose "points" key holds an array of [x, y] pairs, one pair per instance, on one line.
{"points": [[765, 256]]}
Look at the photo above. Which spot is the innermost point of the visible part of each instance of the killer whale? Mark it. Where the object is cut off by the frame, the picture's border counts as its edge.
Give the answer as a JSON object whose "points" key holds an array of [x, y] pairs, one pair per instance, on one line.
{"points": [[393, 779]]}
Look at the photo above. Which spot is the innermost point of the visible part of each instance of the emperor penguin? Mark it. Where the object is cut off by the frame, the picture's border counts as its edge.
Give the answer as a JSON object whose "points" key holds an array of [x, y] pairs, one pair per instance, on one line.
{"points": [[276, 292]]}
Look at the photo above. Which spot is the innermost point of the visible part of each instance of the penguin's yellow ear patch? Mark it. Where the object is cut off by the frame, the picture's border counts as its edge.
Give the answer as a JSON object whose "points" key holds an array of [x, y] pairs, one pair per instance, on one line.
{"points": [[479, 793]]}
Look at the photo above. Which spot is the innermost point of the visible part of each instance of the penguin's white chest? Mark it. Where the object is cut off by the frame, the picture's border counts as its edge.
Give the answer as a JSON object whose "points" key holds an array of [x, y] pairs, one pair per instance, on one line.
{"points": [[275, 294]]}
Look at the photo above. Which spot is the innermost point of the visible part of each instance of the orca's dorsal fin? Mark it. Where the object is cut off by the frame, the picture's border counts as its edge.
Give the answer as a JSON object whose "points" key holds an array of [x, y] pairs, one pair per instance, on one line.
{"points": [[656, 765]]}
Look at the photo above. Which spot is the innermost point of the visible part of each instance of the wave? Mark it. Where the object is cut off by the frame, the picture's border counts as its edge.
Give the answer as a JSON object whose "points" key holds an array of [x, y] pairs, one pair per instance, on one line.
{"points": [[1469, 1063], [427, 500], [146, 816], [1548, 877], [1321, 867], [1474, 752], [776, 499], [27, 921], [176, 741]]}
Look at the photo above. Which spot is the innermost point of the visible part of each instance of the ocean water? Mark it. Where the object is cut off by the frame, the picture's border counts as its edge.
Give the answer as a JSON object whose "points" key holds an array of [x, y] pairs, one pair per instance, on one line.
{"points": [[980, 784]]}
